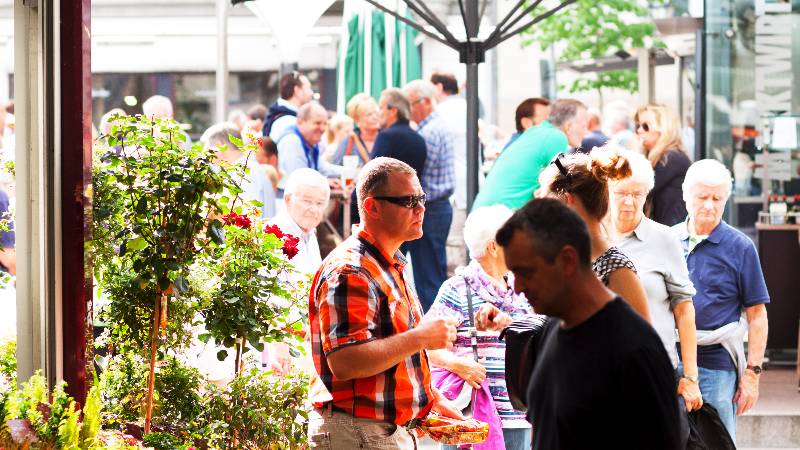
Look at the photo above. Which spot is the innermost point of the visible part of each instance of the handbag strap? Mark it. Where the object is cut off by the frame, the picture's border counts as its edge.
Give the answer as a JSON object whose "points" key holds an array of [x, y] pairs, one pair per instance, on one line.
{"points": [[473, 332]]}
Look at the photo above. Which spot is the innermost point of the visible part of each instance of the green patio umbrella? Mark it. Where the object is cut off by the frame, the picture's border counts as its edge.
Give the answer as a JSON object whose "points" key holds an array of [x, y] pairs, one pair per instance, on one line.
{"points": [[375, 52]]}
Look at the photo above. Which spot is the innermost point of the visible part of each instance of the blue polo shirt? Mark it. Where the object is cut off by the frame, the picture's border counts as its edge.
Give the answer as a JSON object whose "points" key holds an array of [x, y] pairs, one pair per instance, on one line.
{"points": [[726, 272]]}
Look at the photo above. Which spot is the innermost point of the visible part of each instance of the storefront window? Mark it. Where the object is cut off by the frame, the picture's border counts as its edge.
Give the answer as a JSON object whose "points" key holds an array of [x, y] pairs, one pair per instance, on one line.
{"points": [[192, 94], [750, 62]]}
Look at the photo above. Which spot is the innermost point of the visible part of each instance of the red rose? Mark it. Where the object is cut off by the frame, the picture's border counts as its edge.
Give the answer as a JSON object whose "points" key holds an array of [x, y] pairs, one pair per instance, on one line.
{"points": [[274, 229], [243, 222], [290, 245], [229, 219], [235, 219]]}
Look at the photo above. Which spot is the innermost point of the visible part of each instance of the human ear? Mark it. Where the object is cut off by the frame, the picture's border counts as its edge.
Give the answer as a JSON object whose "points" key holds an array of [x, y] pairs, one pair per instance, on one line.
{"points": [[568, 260], [371, 207]]}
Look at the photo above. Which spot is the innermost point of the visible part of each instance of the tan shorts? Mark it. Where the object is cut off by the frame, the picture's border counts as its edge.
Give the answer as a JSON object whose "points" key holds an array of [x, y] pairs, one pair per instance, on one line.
{"points": [[335, 430]]}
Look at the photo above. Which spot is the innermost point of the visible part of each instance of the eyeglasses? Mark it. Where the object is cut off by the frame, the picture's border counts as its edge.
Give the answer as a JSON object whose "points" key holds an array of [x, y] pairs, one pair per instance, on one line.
{"points": [[643, 125], [557, 161], [310, 203], [636, 195], [406, 201]]}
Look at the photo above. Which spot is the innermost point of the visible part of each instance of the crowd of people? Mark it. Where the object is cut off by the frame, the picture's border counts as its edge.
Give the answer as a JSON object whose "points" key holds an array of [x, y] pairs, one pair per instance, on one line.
{"points": [[611, 237]]}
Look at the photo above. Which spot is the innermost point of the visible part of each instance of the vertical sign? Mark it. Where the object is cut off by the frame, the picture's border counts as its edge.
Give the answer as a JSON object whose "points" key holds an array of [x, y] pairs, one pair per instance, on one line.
{"points": [[773, 40]]}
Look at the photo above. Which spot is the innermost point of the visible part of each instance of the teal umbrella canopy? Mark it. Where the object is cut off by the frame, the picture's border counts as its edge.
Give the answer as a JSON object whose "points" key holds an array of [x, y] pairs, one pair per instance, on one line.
{"points": [[376, 52]]}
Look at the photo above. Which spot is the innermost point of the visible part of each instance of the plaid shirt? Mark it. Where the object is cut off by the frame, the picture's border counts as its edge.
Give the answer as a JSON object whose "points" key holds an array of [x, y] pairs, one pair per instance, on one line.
{"points": [[437, 178], [359, 294]]}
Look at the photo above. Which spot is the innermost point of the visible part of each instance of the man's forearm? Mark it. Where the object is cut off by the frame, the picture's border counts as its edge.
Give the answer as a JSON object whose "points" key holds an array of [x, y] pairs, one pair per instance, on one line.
{"points": [[757, 334], [371, 358]]}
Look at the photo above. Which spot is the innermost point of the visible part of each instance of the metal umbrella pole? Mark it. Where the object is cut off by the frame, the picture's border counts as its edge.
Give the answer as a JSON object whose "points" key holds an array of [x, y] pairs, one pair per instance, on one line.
{"points": [[472, 52]]}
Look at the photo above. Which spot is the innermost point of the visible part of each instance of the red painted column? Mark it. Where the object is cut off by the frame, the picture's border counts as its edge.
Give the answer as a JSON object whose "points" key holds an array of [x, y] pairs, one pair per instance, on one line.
{"points": [[76, 174]]}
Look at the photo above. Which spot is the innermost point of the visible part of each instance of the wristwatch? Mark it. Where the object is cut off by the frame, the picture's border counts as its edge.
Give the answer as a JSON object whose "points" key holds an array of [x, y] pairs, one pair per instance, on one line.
{"points": [[756, 369], [692, 378]]}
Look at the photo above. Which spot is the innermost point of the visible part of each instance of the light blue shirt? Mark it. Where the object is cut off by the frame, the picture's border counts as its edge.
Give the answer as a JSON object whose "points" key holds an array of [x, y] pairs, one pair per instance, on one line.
{"points": [[294, 153]]}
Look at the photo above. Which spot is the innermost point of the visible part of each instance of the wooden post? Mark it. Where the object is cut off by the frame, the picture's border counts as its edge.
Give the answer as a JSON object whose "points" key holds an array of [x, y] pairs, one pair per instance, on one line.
{"points": [[151, 376], [75, 281]]}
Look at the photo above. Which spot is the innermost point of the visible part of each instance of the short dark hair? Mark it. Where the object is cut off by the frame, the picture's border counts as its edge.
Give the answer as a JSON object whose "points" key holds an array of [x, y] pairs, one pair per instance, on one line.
{"points": [[527, 109], [373, 178], [257, 112], [551, 225], [447, 80], [268, 146], [563, 110], [288, 82]]}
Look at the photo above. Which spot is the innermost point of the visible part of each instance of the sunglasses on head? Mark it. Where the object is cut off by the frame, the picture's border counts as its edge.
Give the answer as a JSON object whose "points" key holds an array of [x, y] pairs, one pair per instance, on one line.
{"points": [[557, 161], [644, 126], [406, 201]]}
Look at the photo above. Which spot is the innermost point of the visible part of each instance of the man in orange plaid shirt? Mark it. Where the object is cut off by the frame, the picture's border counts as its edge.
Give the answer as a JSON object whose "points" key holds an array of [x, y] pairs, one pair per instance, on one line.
{"points": [[367, 333]]}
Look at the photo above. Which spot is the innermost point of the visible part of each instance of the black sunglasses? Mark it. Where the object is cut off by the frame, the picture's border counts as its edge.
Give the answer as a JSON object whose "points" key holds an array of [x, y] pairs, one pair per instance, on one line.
{"points": [[557, 161], [406, 201], [644, 125]]}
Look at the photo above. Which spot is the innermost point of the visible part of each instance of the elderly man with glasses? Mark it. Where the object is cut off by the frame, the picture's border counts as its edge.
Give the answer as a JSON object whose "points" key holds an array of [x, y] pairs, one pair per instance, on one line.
{"points": [[368, 335]]}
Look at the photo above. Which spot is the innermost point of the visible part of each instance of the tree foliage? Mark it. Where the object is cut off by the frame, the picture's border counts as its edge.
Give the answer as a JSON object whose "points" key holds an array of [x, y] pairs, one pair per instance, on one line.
{"points": [[596, 29]]}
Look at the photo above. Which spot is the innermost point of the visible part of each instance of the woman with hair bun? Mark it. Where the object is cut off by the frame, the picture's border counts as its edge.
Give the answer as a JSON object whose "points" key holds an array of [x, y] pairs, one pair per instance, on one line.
{"points": [[581, 181], [658, 130]]}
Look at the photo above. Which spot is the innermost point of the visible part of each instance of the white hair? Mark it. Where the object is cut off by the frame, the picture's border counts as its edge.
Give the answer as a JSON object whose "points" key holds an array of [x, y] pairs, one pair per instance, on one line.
{"points": [[709, 172], [641, 169], [481, 227], [423, 89], [158, 106], [306, 177], [219, 134]]}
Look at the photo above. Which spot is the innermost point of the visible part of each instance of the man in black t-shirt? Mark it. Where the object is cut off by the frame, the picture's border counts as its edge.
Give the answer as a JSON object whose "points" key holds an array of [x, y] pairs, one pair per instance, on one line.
{"points": [[601, 378]]}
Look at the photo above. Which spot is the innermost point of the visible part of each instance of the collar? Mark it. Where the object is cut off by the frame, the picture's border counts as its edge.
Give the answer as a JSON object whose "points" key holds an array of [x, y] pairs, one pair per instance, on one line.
{"points": [[399, 123], [643, 230], [545, 124], [716, 235], [287, 104], [431, 117], [398, 260]]}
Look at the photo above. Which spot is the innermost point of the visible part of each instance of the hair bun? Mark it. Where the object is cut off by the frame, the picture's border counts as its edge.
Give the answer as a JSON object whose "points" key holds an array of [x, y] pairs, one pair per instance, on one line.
{"points": [[608, 165]]}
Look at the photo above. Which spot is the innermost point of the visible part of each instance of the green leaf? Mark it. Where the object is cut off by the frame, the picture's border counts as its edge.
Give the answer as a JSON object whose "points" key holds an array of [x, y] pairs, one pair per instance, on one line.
{"points": [[203, 337], [137, 244], [222, 354], [216, 232]]}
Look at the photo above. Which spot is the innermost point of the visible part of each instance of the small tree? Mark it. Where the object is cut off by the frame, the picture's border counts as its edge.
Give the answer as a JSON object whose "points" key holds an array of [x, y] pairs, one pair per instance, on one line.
{"points": [[154, 199], [247, 293], [597, 29]]}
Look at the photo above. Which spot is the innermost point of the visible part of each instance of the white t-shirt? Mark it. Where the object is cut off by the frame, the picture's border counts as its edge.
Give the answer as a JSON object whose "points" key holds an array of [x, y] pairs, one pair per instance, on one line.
{"points": [[453, 110]]}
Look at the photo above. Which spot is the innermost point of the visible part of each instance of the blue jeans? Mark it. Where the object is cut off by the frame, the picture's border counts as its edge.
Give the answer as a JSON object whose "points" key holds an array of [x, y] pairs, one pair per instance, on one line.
{"points": [[428, 253], [515, 439], [718, 388]]}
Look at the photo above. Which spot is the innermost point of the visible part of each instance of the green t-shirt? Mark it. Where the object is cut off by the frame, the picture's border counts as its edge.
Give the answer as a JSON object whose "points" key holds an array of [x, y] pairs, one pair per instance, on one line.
{"points": [[515, 175]]}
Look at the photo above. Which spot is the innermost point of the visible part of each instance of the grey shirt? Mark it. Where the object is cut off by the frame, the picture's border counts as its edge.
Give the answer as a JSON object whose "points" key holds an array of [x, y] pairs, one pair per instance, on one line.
{"points": [[659, 261]]}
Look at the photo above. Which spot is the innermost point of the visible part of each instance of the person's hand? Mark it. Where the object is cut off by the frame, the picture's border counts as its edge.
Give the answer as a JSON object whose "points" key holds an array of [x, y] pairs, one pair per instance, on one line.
{"points": [[469, 370], [334, 183], [437, 332], [490, 318], [747, 394], [690, 391], [280, 359], [443, 406]]}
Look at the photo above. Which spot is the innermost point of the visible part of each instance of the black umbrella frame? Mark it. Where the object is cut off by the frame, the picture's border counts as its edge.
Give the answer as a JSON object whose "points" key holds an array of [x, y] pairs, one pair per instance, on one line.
{"points": [[472, 51]]}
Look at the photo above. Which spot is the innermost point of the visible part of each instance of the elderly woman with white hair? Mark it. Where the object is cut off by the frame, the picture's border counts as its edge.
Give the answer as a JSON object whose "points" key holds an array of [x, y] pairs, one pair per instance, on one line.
{"points": [[724, 267], [657, 255], [486, 279]]}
